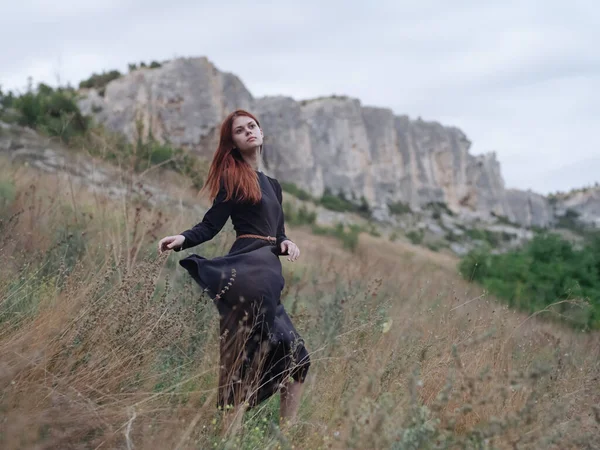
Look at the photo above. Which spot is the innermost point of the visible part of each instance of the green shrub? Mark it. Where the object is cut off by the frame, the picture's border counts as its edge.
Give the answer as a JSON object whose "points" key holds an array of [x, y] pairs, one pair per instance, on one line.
{"points": [[348, 235], [340, 203], [492, 238], [570, 221], [6, 100], [435, 246], [7, 193], [399, 208], [297, 192], [50, 111], [546, 271], [335, 202], [298, 216], [99, 81], [373, 231], [505, 220], [438, 208], [415, 236], [133, 66]]}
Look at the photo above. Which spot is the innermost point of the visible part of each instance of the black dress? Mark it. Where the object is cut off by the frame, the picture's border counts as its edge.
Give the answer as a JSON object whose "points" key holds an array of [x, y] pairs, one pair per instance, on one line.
{"points": [[259, 346]]}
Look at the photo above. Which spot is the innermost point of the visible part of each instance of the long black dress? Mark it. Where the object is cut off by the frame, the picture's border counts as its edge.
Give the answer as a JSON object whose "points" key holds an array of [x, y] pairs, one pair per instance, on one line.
{"points": [[259, 346]]}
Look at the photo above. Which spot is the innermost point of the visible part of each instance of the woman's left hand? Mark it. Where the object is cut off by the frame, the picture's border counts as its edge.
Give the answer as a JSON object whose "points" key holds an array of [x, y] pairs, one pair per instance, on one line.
{"points": [[292, 250]]}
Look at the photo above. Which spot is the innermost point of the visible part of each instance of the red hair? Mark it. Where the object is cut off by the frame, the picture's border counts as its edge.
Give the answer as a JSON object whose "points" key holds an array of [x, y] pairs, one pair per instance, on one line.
{"points": [[228, 166]]}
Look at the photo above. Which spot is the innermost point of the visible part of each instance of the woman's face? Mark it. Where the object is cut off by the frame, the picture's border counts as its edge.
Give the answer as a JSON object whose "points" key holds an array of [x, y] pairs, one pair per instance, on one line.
{"points": [[246, 133]]}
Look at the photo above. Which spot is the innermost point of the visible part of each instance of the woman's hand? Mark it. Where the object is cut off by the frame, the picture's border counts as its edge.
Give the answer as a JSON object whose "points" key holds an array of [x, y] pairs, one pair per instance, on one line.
{"points": [[292, 250], [169, 242]]}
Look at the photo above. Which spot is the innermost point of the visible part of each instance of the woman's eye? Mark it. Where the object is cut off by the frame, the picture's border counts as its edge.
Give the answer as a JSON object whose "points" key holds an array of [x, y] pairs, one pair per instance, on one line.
{"points": [[251, 125]]}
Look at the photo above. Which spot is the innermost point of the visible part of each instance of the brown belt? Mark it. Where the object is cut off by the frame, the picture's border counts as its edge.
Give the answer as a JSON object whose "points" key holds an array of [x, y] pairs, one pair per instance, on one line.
{"points": [[257, 236]]}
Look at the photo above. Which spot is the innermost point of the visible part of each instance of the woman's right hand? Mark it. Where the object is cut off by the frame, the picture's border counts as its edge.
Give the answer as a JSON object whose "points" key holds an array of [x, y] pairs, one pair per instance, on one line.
{"points": [[169, 242]]}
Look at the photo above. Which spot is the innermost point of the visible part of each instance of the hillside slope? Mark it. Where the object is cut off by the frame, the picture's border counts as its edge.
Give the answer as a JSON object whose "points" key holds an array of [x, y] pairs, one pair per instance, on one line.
{"points": [[105, 344]]}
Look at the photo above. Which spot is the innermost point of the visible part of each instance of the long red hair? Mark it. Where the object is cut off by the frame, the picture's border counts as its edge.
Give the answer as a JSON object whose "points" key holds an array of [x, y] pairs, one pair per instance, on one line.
{"points": [[229, 166]]}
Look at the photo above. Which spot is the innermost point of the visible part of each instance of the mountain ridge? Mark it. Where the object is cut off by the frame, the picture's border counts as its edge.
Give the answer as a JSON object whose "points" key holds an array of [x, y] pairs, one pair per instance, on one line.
{"points": [[332, 143]]}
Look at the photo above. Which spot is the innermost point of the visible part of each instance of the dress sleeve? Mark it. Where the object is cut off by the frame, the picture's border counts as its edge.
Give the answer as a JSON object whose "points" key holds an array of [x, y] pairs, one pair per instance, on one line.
{"points": [[281, 224], [213, 222]]}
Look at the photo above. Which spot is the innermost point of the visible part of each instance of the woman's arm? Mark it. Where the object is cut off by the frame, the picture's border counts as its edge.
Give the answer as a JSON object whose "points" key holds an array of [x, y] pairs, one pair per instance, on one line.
{"points": [[213, 221], [285, 245], [281, 224]]}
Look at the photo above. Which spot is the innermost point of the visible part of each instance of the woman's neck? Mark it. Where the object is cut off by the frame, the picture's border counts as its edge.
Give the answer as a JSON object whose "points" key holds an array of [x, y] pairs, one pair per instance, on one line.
{"points": [[251, 158]]}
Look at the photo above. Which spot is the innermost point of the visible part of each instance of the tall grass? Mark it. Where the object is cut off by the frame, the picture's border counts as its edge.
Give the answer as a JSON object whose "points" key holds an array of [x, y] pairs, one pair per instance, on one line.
{"points": [[106, 344]]}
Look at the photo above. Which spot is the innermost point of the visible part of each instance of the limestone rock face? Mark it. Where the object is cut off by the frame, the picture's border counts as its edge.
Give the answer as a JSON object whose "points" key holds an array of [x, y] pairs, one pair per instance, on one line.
{"points": [[529, 208], [585, 202], [179, 102], [332, 143], [287, 145]]}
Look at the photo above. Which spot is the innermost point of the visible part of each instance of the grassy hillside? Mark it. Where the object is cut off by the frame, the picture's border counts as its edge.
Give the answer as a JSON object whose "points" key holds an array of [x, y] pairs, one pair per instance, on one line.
{"points": [[106, 344]]}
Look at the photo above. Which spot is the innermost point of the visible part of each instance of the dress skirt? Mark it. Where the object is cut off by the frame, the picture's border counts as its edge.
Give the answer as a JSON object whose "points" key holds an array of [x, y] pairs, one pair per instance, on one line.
{"points": [[259, 347]]}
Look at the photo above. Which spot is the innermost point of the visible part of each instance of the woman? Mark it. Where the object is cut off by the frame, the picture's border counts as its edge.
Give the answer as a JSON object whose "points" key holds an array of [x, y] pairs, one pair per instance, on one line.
{"points": [[260, 350]]}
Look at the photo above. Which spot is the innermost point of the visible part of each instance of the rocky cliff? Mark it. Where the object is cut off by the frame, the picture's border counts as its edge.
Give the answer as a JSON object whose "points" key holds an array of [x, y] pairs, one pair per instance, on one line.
{"points": [[181, 102], [332, 143], [583, 203]]}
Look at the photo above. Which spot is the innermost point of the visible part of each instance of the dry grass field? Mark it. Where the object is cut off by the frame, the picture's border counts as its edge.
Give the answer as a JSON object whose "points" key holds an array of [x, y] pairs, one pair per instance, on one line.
{"points": [[105, 344]]}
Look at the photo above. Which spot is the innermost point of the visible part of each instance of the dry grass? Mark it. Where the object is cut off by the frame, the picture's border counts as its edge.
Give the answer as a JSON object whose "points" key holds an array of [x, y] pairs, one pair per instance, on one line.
{"points": [[104, 344]]}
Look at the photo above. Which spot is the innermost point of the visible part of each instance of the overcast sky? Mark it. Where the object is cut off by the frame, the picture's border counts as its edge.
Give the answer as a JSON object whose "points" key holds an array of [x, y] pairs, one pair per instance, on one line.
{"points": [[519, 77]]}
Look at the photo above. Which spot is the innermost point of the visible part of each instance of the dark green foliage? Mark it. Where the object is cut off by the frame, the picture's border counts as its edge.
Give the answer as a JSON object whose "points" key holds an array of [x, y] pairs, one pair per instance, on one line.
{"points": [[298, 216], [570, 221], [153, 65], [373, 231], [297, 192], [438, 208], [399, 208], [331, 201], [505, 220], [547, 270], [335, 202], [51, 111], [340, 203], [492, 238], [348, 235], [99, 81], [6, 99], [55, 112], [416, 237], [7, 193]]}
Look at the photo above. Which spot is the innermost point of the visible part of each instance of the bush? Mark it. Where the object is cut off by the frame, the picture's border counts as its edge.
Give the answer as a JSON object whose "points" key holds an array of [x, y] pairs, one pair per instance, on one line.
{"points": [[546, 271], [570, 221], [99, 81], [505, 220], [438, 208], [297, 192], [349, 237], [340, 203], [50, 111], [6, 100], [492, 238], [416, 237], [299, 216], [373, 231], [399, 208], [7, 193]]}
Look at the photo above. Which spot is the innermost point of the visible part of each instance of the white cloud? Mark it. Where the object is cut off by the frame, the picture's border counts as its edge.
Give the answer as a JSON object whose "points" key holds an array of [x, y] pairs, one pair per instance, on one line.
{"points": [[519, 77]]}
